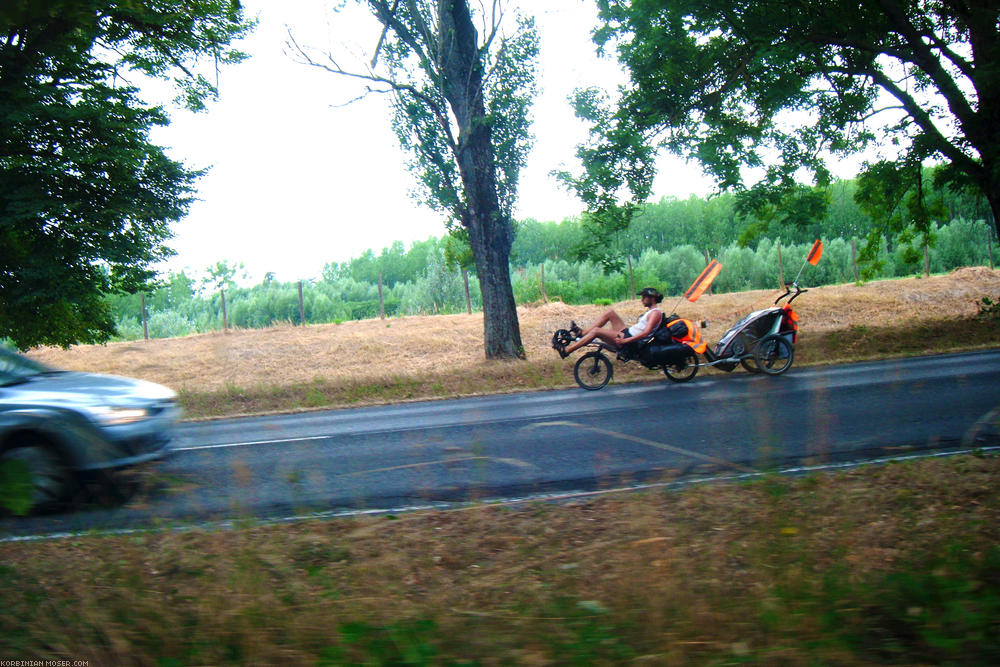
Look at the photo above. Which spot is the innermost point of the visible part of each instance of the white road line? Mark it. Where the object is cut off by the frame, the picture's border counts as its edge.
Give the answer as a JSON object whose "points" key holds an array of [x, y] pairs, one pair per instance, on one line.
{"points": [[252, 443]]}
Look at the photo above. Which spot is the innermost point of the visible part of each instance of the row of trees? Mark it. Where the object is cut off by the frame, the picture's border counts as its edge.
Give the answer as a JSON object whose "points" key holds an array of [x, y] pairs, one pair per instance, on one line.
{"points": [[183, 306], [760, 93], [86, 200], [708, 224], [714, 223], [960, 243]]}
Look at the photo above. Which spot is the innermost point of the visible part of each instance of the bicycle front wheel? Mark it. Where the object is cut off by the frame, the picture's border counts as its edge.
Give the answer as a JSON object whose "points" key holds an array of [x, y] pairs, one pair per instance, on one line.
{"points": [[593, 371]]}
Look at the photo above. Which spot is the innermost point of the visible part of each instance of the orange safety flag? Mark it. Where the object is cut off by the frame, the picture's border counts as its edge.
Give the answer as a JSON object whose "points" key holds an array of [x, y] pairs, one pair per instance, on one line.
{"points": [[815, 253], [703, 281]]}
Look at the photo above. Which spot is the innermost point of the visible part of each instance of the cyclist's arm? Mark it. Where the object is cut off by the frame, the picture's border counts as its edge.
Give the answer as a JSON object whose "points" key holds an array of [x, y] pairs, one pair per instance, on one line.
{"points": [[651, 324]]}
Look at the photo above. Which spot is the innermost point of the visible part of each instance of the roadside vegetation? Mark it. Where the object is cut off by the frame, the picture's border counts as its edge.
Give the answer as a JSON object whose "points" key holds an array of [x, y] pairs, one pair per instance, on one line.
{"points": [[892, 564], [895, 564]]}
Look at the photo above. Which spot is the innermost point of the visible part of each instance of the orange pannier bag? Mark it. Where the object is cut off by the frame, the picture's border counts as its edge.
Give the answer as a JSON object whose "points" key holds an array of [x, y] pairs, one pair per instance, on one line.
{"points": [[686, 332]]}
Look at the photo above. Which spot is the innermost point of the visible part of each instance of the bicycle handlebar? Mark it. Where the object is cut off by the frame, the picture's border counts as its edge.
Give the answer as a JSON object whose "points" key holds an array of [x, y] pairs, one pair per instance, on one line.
{"points": [[788, 290]]}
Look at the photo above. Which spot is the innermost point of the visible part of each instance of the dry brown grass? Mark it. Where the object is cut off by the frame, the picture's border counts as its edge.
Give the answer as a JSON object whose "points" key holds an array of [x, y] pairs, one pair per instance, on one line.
{"points": [[281, 367], [895, 564]]}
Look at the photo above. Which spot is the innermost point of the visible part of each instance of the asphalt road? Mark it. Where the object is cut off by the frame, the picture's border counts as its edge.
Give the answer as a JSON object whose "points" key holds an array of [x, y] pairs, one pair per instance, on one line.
{"points": [[540, 443]]}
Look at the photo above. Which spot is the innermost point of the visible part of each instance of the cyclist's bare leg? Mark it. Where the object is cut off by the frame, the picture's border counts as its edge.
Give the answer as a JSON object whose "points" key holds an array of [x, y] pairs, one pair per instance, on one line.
{"points": [[605, 335], [608, 317]]}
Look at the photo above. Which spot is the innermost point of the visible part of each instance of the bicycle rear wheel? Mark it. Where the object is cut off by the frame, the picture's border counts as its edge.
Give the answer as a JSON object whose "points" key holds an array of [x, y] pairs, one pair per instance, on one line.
{"points": [[685, 368]]}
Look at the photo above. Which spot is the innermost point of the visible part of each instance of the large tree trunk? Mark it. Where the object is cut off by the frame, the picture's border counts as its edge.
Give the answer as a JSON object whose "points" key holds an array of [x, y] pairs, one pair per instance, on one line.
{"points": [[988, 176], [993, 197], [490, 232], [501, 331], [491, 235]]}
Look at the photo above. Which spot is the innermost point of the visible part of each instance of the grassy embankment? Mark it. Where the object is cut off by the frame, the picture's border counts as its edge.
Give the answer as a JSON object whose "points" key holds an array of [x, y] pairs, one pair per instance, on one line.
{"points": [[893, 564]]}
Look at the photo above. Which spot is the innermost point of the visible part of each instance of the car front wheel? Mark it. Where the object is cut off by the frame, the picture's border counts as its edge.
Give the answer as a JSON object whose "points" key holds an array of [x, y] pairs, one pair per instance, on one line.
{"points": [[37, 477]]}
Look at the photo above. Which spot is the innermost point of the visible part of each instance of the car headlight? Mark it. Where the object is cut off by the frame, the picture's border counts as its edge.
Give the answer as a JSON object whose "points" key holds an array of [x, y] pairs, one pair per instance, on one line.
{"points": [[116, 416]]}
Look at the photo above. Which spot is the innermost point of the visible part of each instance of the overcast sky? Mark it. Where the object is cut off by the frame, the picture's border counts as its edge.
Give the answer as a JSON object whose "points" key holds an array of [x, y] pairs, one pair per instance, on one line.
{"points": [[297, 179]]}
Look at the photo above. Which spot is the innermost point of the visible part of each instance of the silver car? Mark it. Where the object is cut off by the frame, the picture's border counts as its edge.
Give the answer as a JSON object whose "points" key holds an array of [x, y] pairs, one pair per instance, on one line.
{"points": [[62, 426]]}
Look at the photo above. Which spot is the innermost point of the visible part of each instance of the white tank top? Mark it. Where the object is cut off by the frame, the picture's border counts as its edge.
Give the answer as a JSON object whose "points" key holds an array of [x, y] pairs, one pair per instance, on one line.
{"points": [[640, 325]]}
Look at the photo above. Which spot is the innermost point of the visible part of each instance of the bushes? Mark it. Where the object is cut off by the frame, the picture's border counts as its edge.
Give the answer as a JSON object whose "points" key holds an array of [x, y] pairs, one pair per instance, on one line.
{"points": [[176, 309]]}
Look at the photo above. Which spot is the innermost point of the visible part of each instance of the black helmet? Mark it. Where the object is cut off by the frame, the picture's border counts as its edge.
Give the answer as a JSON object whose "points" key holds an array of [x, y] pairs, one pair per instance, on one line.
{"points": [[651, 291]]}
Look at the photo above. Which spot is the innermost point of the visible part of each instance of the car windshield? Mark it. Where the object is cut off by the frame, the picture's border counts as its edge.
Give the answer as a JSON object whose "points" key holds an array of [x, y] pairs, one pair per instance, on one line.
{"points": [[15, 368]]}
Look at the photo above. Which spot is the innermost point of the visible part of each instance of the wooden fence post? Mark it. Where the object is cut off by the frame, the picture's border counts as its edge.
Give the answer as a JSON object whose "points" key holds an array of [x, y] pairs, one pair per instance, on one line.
{"points": [[545, 297], [381, 302], [781, 269], [302, 309], [468, 299], [631, 278], [145, 327], [225, 318], [708, 260]]}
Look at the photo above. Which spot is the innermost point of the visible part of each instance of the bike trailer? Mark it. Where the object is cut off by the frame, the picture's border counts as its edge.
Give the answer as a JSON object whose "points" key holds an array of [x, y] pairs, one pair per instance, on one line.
{"points": [[741, 340]]}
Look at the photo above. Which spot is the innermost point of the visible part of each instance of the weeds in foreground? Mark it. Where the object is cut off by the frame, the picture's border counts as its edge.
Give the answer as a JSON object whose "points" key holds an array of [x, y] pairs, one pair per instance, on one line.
{"points": [[895, 564]]}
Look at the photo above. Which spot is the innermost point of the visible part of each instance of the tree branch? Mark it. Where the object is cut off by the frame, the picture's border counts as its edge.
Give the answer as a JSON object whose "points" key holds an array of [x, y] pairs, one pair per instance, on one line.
{"points": [[381, 38], [963, 65], [387, 17], [496, 18], [423, 29], [335, 68], [925, 59], [926, 123]]}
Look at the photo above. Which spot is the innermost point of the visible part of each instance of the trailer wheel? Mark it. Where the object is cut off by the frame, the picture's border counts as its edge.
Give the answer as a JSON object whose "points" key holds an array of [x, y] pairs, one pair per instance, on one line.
{"points": [[774, 354]]}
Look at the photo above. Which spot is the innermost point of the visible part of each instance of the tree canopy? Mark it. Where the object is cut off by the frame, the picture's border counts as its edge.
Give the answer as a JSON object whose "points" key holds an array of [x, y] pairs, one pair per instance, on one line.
{"points": [[461, 88], [85, 199], [762, 94]]}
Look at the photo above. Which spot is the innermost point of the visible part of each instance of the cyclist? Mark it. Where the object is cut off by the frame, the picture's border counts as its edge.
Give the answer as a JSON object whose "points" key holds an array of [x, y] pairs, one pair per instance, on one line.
{"points": [[618, 336]]}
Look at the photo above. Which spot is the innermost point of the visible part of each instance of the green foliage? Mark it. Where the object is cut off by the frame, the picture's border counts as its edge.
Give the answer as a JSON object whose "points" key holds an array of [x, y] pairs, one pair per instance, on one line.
{"points": [[222, 275], [760, 92], [988, 308], [175, 309], [85, 199], [403, 643], [941, 608], [535, 241], [618, 156], [894, 199]]}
